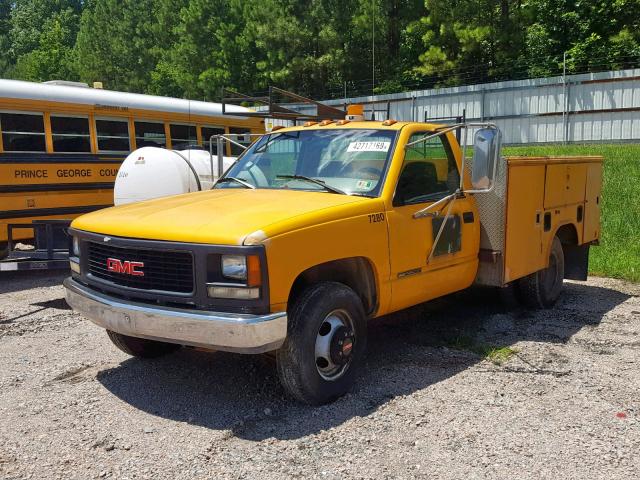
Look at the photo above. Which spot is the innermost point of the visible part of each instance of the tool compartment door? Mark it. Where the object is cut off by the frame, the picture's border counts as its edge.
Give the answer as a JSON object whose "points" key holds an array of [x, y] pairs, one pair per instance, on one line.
{"points": [[564, 184], [525, 196], [591, 226]]}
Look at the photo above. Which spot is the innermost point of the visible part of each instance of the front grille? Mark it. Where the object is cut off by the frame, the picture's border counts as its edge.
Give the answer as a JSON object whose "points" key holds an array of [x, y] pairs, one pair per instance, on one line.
{"points": [[167, 271]]}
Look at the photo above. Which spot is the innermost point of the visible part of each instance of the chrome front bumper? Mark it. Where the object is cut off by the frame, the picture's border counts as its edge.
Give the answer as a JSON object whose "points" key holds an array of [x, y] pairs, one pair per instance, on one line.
{"points": [[218, 330]]}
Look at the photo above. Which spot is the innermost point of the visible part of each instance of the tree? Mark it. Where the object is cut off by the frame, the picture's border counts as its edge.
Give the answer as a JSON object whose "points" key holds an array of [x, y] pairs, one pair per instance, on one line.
{"points": [[27, 19], [5, 40], [207, 51], [470, 40], [193, 48], [120, 42], [595, 35], [53, 57]]}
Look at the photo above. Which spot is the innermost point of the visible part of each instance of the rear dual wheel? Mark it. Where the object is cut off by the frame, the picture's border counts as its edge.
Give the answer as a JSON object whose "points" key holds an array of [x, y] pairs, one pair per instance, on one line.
{"points": [[325, 344], [543, 288]]}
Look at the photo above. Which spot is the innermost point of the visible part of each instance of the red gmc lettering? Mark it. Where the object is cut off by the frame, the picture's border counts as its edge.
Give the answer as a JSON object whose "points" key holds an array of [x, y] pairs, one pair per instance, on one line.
{"points": [[126, 267]]}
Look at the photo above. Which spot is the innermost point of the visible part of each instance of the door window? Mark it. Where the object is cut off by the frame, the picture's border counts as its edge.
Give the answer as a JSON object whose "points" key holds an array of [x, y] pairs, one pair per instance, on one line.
{"points": [[429, 172]]}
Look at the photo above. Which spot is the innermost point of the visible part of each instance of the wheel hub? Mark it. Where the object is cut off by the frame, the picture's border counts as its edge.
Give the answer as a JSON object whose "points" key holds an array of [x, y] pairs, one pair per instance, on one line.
{"points": [[341, 346], [334, 345]]}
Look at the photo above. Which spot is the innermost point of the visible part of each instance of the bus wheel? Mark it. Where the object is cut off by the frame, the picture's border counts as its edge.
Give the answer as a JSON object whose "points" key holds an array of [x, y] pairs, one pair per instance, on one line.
{"points": [[325, 345], [141, 347], [543, 288]]}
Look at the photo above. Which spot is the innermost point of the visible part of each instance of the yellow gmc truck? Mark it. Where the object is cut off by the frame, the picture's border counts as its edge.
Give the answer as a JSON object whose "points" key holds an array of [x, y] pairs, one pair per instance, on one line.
{"points": [[318, 228]]}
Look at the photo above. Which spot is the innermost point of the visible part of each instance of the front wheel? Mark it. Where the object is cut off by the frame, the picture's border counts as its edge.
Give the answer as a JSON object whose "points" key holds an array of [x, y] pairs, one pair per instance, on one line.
{"points": [[543, 288], [325, 345]]}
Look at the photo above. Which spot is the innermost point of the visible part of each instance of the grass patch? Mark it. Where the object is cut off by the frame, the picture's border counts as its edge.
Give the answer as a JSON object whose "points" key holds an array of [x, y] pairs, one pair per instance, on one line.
{"points": [[495, 354], [619, 252], [499, 355]]}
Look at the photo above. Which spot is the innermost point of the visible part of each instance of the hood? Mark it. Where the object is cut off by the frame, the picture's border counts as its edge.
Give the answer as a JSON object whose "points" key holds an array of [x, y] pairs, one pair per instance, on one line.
{"points": [[224, 216]]}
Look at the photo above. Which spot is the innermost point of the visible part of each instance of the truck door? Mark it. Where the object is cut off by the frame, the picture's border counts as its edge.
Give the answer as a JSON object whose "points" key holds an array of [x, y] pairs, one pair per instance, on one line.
{"points": [[429, 173]]}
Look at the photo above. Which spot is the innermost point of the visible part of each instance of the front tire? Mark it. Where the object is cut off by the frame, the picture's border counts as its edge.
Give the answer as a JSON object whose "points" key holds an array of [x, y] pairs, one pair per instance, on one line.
{"points": [[141, 347], [543, 288], [325, 345]]}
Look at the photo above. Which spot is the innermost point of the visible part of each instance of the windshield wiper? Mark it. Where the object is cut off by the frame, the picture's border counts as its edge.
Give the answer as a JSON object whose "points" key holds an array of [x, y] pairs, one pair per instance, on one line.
{"points": [[316, 181], [237, 180]]}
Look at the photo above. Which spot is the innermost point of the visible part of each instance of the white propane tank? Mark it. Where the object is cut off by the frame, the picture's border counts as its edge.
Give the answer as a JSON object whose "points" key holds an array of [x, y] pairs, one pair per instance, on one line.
{"points": [[152, 172]]}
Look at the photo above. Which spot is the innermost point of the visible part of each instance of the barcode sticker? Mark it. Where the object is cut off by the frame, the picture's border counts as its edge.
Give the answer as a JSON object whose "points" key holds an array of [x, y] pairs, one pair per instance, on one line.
{"points": [[369, 147]]}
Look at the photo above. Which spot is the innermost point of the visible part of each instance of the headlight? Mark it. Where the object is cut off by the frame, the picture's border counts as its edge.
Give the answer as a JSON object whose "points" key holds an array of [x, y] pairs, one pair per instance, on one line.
{"points": [[76, 247], [234, 266]]}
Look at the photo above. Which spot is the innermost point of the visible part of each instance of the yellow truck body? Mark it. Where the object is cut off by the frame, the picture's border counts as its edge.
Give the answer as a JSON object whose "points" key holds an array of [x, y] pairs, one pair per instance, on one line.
{"points": [[375, 243]]}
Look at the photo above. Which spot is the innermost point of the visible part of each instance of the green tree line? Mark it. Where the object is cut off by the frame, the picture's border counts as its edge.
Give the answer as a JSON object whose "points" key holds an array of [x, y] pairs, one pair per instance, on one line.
{"points": [[192, 48]]}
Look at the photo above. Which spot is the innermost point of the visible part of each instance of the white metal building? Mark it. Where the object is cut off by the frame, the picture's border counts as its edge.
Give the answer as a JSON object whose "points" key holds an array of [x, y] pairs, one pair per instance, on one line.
{"points": [[594, 107]]}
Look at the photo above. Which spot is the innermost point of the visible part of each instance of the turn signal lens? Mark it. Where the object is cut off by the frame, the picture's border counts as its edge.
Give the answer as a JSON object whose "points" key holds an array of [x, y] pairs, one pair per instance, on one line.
{"points": [[254, 275]]}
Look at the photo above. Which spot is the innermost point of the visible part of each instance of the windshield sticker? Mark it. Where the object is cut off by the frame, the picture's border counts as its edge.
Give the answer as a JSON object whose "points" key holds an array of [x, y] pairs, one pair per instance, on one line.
{"points": [[369, 147], [364, 184]]}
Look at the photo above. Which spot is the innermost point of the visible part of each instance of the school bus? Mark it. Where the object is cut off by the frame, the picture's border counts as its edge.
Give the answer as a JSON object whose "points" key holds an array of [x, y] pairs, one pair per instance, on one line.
{"points": [[61, 144]]}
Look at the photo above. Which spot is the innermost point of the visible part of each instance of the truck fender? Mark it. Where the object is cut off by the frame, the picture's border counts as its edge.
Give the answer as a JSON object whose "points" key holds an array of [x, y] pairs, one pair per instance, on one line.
{"points": [[358, 273]]}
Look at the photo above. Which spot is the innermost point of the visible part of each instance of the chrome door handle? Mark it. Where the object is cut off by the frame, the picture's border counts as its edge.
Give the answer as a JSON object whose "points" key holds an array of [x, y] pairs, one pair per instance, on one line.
{"points": [[421, 214]]}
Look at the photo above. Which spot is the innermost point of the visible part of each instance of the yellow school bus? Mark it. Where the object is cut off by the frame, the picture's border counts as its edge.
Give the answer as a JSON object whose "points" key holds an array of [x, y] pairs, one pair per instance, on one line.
{"points": [[61, 144]]}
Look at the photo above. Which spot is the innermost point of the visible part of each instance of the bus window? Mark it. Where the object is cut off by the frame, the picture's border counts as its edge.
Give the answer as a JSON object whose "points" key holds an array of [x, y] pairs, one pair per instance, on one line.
{"points": [[183, 136], [206, 135], [246, 141], [113, 135], [22, 132], [70, 134], [150, 134]]}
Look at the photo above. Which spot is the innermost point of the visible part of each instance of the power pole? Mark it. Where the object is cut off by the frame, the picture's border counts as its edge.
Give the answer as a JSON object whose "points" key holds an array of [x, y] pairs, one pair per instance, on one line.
{"points": [[373, 46]]}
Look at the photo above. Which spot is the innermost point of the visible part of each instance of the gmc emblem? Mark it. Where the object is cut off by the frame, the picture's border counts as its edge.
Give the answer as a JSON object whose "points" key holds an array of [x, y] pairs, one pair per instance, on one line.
{"points": [[125, 267]]}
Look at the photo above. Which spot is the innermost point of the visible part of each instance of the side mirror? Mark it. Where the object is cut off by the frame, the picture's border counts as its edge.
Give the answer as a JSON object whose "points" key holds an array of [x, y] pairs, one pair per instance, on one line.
{"points": [[486, 152]]}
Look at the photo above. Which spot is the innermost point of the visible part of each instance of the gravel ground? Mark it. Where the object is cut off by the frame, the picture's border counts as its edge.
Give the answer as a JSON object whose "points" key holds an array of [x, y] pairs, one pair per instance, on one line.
{"points": [[564, 404]]}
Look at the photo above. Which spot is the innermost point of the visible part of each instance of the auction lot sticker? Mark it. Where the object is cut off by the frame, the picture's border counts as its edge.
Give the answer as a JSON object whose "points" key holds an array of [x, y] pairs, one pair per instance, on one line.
{"points": [[369, 147]]}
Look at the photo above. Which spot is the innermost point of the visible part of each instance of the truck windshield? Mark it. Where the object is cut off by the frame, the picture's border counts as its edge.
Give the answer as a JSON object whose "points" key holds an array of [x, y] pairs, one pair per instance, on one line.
{"points": [[343, 161]]}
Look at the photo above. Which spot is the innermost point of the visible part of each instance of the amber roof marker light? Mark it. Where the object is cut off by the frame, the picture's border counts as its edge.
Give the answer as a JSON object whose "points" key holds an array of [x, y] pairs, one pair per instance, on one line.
{"points": [[355, 113]]}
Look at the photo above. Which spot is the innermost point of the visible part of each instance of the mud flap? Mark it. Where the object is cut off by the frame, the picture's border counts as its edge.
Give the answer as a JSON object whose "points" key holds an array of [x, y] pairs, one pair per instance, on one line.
{"points": [[576, 261]]}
